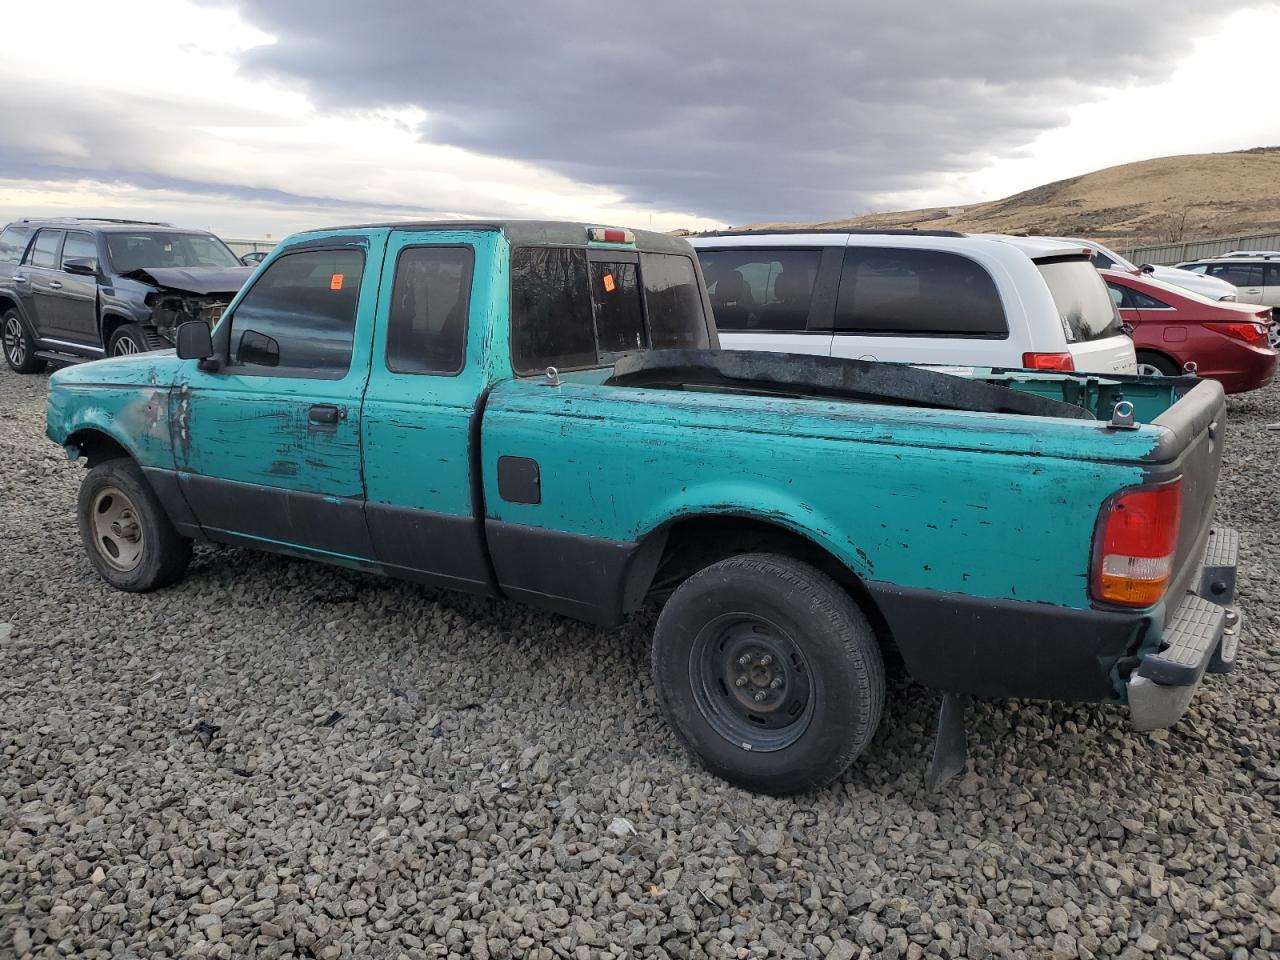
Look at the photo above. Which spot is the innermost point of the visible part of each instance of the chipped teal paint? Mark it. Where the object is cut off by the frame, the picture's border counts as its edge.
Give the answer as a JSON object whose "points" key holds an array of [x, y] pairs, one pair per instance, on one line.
{"points": [[125, 398], [416, 428], [998, 507], [251, 428]]}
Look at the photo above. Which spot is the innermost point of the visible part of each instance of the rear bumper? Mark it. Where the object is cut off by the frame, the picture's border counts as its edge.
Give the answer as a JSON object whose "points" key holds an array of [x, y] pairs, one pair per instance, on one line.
{"points": [[1200, 637]]}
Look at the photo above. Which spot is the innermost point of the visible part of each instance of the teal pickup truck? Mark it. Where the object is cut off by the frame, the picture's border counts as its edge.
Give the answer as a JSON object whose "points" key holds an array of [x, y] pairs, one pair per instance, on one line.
{"points": [[540, 411]]}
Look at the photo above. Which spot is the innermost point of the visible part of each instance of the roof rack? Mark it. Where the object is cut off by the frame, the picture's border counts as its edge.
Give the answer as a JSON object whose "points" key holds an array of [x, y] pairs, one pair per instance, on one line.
{"points": [[141, 223], [894, 232]]}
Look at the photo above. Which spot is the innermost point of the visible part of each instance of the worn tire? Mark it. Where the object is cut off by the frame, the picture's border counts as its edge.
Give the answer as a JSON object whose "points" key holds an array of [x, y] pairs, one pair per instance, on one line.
{"points": [[164, 552], [1161, 363], [19, 348], [127, 339], [840, 654]]}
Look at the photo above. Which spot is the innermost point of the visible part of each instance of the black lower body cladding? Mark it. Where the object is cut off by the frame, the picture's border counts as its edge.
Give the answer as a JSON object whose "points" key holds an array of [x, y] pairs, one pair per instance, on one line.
{"points": [[1007, 648]]}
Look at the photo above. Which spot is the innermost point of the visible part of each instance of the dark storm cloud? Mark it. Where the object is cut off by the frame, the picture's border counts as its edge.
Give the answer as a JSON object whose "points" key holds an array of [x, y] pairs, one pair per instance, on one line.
{"points": [[743, 110]]}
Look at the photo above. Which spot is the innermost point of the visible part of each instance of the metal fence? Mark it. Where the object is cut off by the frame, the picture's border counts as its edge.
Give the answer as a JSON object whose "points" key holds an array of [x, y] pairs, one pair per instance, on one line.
{"points": [[241, 247], [1168, 253]]}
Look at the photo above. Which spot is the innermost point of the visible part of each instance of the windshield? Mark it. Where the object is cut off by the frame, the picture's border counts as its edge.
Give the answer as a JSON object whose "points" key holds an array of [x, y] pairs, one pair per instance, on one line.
{"points": [[1084, 306], [141, 250]]}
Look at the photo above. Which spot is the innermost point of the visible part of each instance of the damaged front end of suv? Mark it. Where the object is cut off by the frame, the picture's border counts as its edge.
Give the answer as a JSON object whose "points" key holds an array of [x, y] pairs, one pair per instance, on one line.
{"points": [[182, 295]]}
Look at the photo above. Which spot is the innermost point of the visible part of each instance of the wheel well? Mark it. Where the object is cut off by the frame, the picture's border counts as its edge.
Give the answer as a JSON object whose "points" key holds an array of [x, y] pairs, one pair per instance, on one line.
{"points": [[7, 304], [1146, 351], [691, 544], [95, 446], [111, 322]]}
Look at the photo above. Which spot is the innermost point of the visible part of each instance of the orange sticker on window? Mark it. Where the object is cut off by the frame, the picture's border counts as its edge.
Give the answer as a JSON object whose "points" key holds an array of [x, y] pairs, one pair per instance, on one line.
{"points": [[335, 282], [609, 285]]}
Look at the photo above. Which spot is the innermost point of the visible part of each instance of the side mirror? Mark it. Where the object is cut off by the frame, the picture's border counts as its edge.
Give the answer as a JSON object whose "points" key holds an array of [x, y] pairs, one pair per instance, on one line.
{"points": [[194, 341], [257, 348], [249, 261], [1127, 329], [81, 266], [1147, 268]]}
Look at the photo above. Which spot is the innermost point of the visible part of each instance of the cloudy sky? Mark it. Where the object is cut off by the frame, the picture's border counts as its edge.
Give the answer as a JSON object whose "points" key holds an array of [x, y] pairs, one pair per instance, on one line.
{"points": [[261, 118]]}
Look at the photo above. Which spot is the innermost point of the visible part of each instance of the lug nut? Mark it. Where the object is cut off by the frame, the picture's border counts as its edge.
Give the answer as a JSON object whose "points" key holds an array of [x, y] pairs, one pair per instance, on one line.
{"points": [[759, 698], [775, 683], [740, 682], [766, 659], [744, 659]]}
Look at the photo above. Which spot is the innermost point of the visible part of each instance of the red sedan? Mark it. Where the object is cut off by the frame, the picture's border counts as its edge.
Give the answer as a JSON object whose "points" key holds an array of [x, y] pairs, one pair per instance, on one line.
{"points": [[1173, 326]]}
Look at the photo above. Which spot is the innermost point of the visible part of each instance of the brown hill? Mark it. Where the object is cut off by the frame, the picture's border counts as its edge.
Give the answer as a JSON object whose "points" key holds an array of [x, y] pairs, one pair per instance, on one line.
{"points": [[1199, 195]]}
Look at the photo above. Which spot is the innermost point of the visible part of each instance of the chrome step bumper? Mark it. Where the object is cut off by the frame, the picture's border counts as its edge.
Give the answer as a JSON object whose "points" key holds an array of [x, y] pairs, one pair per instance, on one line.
{"points": [[1201, 637]]}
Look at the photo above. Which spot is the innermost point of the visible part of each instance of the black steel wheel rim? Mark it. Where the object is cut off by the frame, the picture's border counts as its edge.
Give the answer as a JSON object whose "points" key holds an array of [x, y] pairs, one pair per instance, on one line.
{"points": [[14, 345], [751, 682]]}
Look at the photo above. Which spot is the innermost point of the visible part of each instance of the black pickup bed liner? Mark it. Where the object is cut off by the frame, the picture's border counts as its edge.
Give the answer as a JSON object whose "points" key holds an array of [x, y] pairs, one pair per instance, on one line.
{"points": [[793, 374]]}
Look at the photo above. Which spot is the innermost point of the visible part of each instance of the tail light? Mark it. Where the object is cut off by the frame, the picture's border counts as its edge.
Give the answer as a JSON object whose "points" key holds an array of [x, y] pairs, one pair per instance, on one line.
{"points": [[1248, 332], [1135, 543], [1048, 361]]}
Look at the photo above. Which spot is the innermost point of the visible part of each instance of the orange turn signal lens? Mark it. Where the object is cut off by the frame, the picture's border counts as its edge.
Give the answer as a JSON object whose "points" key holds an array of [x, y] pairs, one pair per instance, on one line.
{"points": [[1135, 544]]}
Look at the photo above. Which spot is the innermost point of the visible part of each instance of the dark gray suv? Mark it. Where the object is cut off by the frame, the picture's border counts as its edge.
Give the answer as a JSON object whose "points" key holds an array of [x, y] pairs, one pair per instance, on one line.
{"points": [[79, 289]]}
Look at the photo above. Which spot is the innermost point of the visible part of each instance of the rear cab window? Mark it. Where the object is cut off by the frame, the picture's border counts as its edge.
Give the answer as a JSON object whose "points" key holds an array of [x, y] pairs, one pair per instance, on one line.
{"points": [[574, 307], [887, 291], [1085, 308]]}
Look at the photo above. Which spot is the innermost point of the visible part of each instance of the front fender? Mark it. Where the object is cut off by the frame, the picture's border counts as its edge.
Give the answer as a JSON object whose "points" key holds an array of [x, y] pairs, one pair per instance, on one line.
{"points": [[137, 418]]}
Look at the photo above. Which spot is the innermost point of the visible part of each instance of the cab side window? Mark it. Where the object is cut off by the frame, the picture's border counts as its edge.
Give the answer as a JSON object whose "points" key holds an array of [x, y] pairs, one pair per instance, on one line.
{"points": [[44, 251], [299, 318], [427, 322]]}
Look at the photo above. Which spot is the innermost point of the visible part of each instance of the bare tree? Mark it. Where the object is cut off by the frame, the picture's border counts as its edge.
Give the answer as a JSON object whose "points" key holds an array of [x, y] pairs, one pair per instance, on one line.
{"points": [[1171, 227]]}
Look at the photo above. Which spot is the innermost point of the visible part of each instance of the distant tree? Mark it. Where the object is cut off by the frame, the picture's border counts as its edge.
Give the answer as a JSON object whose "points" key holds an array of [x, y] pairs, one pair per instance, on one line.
{"points": [[1171, 227]]}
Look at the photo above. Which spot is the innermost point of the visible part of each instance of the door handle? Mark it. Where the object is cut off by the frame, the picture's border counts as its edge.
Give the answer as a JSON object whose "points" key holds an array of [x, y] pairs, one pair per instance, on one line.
{"points": [[326, 413], [56, 284], [18, 278]]}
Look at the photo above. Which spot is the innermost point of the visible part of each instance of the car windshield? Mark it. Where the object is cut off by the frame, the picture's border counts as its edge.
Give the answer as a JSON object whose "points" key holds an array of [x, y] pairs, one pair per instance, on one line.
{"points": [[144, 250]]}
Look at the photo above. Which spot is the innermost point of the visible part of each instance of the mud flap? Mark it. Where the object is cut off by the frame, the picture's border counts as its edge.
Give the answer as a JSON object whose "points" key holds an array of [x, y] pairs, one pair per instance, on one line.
{"points": [[950, 745]]}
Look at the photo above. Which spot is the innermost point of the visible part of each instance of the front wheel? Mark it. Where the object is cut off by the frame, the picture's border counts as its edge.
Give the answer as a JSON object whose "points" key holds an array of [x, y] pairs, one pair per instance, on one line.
{"points": [[126, 533], [769, 673], [127, 340], [19, 348]]}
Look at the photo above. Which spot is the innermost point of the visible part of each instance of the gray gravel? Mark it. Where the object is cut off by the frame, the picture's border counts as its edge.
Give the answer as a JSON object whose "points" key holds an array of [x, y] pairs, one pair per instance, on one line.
{"points": [[277, 758]]}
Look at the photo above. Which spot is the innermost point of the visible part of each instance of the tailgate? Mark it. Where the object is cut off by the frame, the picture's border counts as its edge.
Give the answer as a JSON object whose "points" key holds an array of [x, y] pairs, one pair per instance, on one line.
{"points": [[1191, 448]]}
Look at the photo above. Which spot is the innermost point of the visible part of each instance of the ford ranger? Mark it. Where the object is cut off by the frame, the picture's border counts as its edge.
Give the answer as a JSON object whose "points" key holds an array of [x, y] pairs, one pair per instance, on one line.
{"points": [[540, 411]]}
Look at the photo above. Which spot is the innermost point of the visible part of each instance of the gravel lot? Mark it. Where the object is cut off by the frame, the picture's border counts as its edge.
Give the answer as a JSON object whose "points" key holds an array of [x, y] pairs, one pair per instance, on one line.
{"points": [[277, 758]]}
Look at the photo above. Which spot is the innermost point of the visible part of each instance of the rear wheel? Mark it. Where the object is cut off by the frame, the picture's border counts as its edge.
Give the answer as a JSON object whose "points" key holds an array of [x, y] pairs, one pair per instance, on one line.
{"points": [[1155, 365], [126, 533], [127, 340], [19, 348], [769, 673]]}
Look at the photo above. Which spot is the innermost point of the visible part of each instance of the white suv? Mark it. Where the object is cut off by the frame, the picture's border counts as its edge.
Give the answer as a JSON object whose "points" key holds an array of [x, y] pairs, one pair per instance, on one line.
{"points": [[917, 297]]}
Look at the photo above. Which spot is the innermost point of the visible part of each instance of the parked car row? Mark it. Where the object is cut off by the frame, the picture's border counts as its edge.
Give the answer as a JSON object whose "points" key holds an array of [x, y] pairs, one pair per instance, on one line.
{"points": [[982, 300], [74, 289]]}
